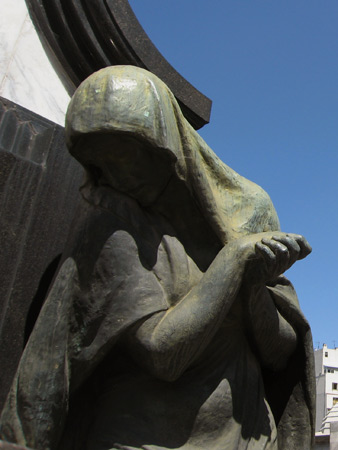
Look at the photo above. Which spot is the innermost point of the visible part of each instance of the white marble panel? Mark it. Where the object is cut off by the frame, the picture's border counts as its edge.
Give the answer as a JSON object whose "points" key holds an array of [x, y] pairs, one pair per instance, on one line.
{"points": [[28, 79], [12, 17]]}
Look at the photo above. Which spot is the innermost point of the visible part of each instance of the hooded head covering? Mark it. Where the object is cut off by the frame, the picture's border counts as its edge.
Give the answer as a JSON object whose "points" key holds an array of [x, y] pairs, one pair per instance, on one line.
{"points": [[131, 101]]}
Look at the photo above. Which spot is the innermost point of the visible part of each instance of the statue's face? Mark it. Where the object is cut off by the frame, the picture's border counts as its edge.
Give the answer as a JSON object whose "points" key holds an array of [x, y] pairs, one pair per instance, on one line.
{"points": [[129, 165]]}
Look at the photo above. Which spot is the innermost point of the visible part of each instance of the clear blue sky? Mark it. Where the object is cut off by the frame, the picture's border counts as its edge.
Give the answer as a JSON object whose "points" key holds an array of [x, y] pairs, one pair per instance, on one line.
{"points": [[271, 69]]}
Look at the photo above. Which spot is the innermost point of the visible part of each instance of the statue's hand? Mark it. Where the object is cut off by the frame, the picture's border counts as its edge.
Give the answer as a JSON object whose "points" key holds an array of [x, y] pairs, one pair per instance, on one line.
{"points": [[274, 253]]}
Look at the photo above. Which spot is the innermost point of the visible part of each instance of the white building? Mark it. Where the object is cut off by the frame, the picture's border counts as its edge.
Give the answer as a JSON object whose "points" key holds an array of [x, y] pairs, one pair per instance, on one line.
{"points": [[326, 365]]}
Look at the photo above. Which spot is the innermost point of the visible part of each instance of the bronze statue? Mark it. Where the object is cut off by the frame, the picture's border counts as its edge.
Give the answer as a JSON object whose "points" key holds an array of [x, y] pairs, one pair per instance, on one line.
{"points": [[170, 324]]}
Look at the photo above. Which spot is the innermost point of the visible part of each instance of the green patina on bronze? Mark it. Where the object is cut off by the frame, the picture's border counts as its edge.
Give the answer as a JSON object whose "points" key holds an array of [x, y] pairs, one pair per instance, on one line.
{"points": [[170, 324]]}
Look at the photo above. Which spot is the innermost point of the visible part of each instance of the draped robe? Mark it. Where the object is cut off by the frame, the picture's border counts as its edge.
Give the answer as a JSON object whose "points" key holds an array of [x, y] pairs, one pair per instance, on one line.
{"points": [[81, 383]]}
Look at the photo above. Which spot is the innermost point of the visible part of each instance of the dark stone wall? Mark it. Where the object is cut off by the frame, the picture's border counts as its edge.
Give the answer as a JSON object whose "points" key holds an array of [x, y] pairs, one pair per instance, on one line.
{"points": [[39, 192]]}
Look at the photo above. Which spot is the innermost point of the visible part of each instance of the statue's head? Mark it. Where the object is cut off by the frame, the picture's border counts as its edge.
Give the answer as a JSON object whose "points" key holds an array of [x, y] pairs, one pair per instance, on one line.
{"points": [[118, 127], [126, 164], [125, 127]]}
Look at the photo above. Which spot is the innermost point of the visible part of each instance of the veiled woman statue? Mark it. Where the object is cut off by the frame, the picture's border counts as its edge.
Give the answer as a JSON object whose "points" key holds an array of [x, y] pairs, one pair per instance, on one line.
{"points": [[170, 324]]}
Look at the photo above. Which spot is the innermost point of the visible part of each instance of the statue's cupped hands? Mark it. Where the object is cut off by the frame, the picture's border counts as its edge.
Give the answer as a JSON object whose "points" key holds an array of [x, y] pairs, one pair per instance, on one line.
{"points": [[270, 254]]}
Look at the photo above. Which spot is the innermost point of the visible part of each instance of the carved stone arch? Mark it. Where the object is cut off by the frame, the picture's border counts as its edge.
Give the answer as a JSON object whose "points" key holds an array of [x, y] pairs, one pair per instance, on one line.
{"points": [[82, 36]]}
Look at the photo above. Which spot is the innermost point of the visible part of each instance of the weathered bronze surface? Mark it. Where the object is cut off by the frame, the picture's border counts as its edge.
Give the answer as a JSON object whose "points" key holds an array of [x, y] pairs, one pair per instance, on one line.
{"points": [[170, 324]]}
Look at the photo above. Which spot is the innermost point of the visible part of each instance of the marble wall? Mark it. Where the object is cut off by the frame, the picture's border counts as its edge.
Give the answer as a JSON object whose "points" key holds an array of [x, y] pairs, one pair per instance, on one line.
{"points": [[26, 75]]}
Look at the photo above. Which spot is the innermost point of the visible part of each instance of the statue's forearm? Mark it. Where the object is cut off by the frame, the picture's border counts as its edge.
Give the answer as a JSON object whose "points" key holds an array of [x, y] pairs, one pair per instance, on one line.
{"points": [[168, 342]]}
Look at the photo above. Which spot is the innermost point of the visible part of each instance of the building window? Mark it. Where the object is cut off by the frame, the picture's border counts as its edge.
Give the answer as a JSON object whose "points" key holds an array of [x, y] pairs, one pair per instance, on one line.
{"points": [[330, 370], [334, 401], [334, 387], [326, 354]]}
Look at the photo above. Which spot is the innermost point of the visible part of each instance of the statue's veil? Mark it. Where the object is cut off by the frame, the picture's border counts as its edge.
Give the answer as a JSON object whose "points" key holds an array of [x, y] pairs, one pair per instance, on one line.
{"points": [[130, 100]]}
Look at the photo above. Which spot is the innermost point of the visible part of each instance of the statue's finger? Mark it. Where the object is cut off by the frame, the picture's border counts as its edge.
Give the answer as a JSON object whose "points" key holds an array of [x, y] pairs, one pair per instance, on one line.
{"points": [[305, 247], [292, 245], [266, 252], [283, 258]]}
